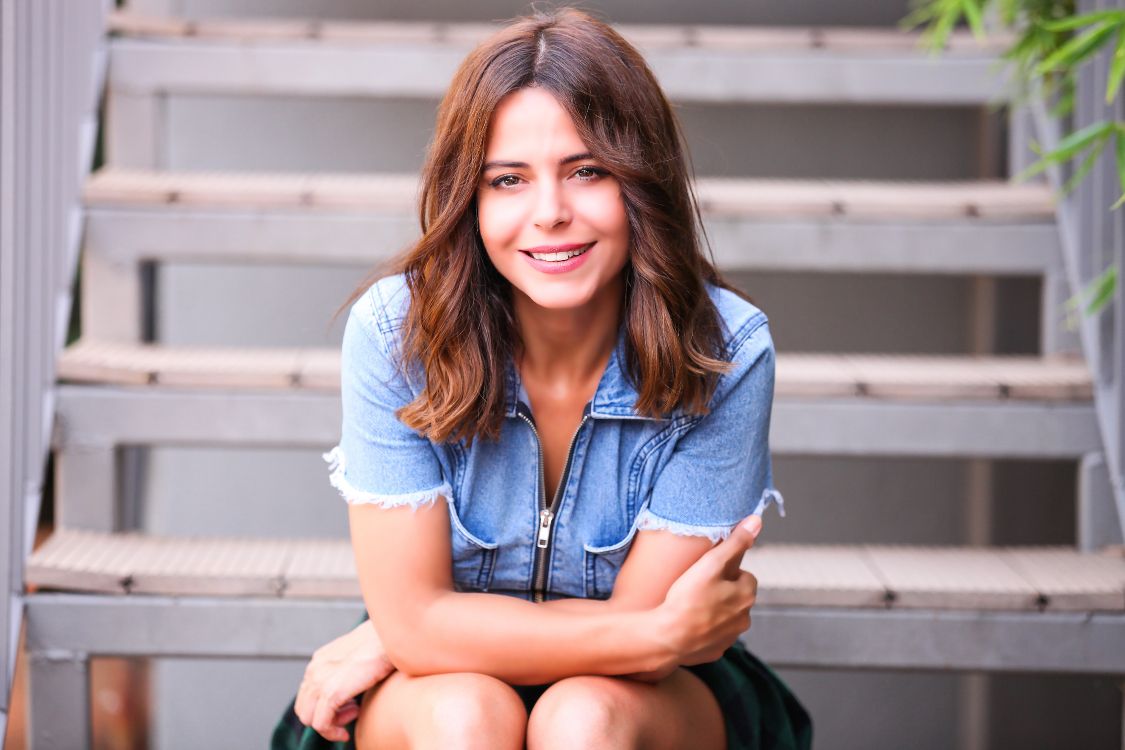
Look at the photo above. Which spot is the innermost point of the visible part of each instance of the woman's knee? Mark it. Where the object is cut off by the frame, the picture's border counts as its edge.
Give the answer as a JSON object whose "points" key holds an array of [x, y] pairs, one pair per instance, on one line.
{"points": [[588, 711], [460, 710]]}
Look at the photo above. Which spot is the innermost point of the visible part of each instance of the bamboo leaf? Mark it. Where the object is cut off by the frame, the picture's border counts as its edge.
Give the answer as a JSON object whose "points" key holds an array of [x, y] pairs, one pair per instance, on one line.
{"points": [[1102, 288], [1077, 49], [1080, 140], [1119, 144], [1084, 169], [944, 24], [1116, 69], [1097, 293], [1074, 22], [973, 15]]}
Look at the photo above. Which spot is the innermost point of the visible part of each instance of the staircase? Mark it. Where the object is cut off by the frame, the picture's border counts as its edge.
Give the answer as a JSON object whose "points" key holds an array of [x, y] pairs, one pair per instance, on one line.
{"points": [[107, 589]]}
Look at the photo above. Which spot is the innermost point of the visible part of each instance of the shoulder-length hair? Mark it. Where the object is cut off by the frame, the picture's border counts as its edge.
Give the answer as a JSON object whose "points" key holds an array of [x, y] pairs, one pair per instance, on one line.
{"points": [[459, 328]]}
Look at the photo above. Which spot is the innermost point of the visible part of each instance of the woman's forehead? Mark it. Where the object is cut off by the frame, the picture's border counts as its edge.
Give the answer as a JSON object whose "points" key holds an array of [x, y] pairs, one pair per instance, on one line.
{"points": [[531, 120]]}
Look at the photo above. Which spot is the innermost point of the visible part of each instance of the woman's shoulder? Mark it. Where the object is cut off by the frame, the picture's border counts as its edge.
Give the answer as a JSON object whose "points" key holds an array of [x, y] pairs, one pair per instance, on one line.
{"points": [[742, 319], [381, 309]]}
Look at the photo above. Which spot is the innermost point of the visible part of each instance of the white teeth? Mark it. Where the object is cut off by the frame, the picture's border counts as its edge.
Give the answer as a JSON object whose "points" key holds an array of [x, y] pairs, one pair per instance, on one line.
{"points": [[558, 256]]}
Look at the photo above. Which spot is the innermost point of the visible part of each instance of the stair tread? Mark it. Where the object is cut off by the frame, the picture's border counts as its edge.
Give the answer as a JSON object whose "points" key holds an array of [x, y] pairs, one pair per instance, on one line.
{"points": [[1030, 578], [798, 374], [867, 41], [113, 187]]}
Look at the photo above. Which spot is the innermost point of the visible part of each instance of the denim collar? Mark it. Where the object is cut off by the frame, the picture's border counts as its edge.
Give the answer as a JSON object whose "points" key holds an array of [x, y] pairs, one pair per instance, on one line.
{"points": [[614, 398]]}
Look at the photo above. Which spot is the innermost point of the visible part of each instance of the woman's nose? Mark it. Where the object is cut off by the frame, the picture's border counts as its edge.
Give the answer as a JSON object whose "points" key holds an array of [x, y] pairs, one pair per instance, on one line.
{"points": [[551, 208]]}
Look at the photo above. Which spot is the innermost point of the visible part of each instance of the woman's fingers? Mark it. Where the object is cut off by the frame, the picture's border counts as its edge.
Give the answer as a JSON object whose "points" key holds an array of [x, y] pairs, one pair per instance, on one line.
{"points": [[305, 704], [727, 555], [325, 719]]}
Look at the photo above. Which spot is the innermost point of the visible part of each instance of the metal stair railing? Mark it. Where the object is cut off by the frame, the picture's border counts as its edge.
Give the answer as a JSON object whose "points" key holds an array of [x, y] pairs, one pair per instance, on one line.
{"points": [[52, 63], [1092, 238]]}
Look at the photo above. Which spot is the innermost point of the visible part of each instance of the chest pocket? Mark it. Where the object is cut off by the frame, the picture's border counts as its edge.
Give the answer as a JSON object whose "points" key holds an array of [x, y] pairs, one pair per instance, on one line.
{"points": [[474, 559], [604, 563]]}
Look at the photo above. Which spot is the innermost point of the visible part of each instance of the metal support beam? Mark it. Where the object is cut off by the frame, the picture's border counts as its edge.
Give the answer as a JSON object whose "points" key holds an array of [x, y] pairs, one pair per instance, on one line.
{"points": [[1097, 523], [1079, 642], [807, 426], [423, 70], [86, 487], [60, 700]]}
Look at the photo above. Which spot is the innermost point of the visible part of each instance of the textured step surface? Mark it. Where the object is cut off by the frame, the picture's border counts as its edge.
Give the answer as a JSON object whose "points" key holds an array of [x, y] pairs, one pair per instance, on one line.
{"points": [[903, 376], [886, 200], [861, 41], [968, 227], [976, 578], [700, 63]]}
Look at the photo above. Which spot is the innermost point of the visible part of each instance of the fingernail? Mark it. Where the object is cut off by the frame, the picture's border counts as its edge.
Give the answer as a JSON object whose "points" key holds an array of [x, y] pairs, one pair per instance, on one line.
{"points": [[753, 524]]}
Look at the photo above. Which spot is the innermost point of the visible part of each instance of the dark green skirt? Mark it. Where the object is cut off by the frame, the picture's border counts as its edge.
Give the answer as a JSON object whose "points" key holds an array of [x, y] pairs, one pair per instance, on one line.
{"points": [[760, 711]]}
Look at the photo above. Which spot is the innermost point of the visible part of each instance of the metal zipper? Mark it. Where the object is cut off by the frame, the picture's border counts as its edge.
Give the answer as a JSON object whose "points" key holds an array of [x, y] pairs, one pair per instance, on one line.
{"points": [[547, 513]]}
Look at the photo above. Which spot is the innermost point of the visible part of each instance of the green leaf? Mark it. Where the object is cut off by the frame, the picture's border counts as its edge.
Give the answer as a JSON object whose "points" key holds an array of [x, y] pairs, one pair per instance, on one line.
{"points": [[973, 15], [1068, 148], [1117, 68], [1084, 169], [1079, 140], [1074, 22], [1119, 144], [939, 31], [1098, 292], [1077, 49], [1103, 287]]}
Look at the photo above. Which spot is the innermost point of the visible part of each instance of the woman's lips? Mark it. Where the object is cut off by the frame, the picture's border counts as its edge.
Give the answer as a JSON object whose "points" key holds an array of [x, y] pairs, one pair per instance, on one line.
{"points": [[558, 266]]}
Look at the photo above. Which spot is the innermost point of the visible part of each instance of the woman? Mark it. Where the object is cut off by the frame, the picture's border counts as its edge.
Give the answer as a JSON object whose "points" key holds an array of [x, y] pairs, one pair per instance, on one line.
{"points": [[559, 365]]}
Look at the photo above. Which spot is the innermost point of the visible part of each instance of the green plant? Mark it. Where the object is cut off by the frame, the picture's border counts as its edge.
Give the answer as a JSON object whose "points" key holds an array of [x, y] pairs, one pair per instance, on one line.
{"points": [[1052, 42]]}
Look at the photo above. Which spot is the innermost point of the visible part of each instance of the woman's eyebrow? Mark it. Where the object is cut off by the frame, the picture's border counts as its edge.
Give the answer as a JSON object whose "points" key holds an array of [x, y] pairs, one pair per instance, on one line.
{"points": [[523, 165]]}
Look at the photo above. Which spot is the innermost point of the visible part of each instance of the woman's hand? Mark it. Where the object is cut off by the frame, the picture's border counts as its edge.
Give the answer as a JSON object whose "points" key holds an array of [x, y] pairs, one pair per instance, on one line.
{"points": [[340, 670], [708, 607]]}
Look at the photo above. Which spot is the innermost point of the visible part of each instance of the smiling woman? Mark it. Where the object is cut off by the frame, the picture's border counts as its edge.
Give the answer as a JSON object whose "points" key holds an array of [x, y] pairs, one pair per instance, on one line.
{"points": [[554, 445]]}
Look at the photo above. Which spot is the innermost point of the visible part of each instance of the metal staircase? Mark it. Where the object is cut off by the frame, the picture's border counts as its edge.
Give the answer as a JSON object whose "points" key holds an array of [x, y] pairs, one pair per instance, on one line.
{"points": [[106, 589]]}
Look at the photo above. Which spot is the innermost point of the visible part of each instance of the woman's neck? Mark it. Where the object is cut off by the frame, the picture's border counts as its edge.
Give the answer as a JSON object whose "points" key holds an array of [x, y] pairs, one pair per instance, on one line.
{"points": [[568, 349]]}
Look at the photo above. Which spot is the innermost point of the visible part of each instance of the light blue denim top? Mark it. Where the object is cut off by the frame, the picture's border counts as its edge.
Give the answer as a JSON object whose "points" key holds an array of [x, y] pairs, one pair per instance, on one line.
{"points": [[688, 474]]}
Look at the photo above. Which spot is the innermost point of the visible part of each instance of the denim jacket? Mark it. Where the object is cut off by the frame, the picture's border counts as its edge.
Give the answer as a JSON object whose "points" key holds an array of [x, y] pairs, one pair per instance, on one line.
{"points": [[688, 474]]}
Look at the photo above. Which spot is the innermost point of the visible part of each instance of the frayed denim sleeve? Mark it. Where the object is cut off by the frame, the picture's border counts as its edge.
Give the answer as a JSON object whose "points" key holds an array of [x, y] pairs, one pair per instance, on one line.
{"points": [[719, 471], [379, 460]]}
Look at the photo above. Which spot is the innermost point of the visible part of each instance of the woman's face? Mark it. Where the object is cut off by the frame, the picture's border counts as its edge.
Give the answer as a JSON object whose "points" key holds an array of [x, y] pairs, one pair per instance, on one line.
{"points": [[542, 194]]}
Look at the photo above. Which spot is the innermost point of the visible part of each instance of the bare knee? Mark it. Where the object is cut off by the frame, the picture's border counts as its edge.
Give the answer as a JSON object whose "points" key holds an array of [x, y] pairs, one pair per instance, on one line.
{"points": [[586, 711], [462, 711]]}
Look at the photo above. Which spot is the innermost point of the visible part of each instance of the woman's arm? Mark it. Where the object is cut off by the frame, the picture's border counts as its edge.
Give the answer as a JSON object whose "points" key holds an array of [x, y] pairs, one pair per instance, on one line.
{"points": [[655, 560], [404, 567]]}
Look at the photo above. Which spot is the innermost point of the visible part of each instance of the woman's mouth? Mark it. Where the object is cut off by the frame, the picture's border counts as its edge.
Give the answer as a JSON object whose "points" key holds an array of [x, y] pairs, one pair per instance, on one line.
{"points": [[559, 253], [557, 258]]}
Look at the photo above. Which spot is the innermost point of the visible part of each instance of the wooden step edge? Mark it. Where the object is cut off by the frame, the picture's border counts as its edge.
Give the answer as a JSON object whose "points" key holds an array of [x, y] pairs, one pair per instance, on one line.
{"points": [[798, 375], [857, 200], [865, 41], [868, 576]]}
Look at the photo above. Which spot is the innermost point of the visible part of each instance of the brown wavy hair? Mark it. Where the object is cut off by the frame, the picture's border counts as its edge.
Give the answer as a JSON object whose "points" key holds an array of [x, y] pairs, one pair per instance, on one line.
{"points": [[460, 328]]}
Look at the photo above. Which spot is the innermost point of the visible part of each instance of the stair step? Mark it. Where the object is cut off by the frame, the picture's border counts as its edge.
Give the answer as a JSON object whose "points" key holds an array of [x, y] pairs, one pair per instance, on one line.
{"points": [[971, 227], [693, 63], [898, 376], [859, 199], [865, 576]]}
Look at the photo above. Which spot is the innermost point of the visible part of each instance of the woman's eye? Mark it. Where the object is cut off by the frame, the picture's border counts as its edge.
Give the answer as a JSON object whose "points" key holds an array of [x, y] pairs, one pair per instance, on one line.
{"points": [[589, 173], [505, 180]]}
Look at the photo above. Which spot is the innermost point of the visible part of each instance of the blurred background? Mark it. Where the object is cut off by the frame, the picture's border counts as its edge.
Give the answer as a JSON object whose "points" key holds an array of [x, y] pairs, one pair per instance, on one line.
{"points": [[845, 499]]}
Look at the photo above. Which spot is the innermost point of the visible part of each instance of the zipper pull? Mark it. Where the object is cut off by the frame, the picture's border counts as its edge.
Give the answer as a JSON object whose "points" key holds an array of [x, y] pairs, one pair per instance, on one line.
{"points": [[545, 517]]}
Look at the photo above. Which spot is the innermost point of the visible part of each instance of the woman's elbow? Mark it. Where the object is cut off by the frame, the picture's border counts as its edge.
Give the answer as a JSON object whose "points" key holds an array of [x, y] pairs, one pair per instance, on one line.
{"points": [[403, 651]]}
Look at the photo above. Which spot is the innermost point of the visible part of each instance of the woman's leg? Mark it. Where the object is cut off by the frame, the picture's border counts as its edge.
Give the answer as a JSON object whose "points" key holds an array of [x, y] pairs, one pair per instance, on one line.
{"points": [[460, 711], [612, 712]]}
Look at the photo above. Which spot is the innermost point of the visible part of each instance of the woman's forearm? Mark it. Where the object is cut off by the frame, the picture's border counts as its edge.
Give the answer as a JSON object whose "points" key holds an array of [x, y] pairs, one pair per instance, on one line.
{"points": [[525, 643]]}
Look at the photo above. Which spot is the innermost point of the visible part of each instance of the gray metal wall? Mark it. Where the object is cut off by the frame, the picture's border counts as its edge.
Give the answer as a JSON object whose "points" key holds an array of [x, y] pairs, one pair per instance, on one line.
{"points": [[830, 500], [49, 76]]}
